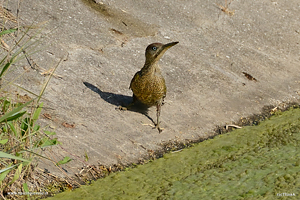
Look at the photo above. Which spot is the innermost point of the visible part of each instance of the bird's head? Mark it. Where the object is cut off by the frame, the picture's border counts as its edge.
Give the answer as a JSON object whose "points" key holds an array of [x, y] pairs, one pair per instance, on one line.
{"points": [[156, 50]]}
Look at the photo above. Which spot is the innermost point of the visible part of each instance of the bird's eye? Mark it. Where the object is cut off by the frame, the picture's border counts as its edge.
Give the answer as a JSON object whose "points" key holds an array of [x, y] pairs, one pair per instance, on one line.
{"points": [[154, 48]]}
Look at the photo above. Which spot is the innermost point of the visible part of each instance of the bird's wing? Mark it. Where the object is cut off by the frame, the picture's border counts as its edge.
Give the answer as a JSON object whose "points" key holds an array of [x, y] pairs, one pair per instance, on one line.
{"points": [[135, 77]]}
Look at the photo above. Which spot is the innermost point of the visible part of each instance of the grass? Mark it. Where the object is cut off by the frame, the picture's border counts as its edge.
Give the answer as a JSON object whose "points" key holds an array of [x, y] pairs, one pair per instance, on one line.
{"points": [[22, 139]]}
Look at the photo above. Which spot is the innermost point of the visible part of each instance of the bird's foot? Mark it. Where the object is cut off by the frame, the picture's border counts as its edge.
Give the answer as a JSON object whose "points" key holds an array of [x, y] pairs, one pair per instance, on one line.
{"points": [[127, 107], [158, 128], [155, 126], [121, 108]]}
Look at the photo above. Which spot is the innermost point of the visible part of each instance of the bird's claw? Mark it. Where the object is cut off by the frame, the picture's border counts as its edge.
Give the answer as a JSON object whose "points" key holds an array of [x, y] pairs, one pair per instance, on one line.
{"points": [[121, 108], [155, 126], [158, 128]]}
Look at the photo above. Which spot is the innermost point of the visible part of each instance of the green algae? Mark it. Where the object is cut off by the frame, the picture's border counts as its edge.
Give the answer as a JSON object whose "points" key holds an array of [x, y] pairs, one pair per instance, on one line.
{"points": [[257, 162]]}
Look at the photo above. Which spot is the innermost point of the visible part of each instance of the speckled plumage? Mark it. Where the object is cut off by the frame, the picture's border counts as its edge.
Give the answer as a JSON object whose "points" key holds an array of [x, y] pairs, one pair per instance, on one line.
{"points": [[148, 85]]}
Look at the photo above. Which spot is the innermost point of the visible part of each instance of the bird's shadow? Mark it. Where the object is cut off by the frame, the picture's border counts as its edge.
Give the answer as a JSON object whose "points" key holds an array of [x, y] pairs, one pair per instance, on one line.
{"points": [[120, 100]]}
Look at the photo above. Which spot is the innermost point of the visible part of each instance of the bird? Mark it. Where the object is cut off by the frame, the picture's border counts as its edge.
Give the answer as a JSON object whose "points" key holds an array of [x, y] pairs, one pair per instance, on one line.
{"points": [[148, 85]]}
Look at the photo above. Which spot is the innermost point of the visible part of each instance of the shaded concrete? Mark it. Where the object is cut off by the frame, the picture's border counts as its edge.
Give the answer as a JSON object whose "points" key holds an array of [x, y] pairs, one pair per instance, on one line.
{"points": [[104, 44]]}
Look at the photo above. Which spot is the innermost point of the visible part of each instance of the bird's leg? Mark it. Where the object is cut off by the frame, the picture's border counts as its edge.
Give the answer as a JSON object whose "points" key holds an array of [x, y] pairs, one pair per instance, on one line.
{"points": [[158, 108]]}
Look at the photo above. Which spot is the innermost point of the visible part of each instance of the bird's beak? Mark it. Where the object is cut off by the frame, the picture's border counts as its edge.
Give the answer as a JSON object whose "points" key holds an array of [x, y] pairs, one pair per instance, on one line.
{"points": [[164, 48], [167, 46]]}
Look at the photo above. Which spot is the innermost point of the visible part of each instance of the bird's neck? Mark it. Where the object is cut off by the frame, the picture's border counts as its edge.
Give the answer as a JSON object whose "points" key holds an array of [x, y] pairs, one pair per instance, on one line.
{"points": [[150, 68]]}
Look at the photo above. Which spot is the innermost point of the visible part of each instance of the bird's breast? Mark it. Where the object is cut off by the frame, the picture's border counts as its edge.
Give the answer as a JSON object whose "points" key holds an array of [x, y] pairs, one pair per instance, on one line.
{"points": [[148, 88]]}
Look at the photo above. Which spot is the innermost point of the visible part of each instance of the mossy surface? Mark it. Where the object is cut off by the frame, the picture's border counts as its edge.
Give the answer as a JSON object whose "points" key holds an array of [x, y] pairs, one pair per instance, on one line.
{"points": [[257, 162]]}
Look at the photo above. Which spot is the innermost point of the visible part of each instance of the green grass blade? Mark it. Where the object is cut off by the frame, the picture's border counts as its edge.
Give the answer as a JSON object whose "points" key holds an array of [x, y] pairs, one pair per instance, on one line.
{"points": [[36, 128], [17, 174], [86, 157], [64, 161], [25, 187], [14, 112], [5, 68], [45, 85], [22, 88], [5, 105], [32, 152], [3, 60], [3, 141], [48, 143], [26, 190], [12, 128], [25, 125], [8, 31], [4, 172], [6, 155], [37, 112], [8, 64], [49, 133], [16, 116]]}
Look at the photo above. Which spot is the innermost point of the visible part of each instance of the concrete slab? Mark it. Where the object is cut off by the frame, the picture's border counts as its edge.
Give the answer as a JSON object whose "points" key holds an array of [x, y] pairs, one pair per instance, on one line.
{"points": [[104, 42]]}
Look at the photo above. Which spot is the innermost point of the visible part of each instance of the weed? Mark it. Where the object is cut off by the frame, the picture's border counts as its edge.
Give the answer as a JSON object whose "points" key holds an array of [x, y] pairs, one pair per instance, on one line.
{"points": [[22, 139]]}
